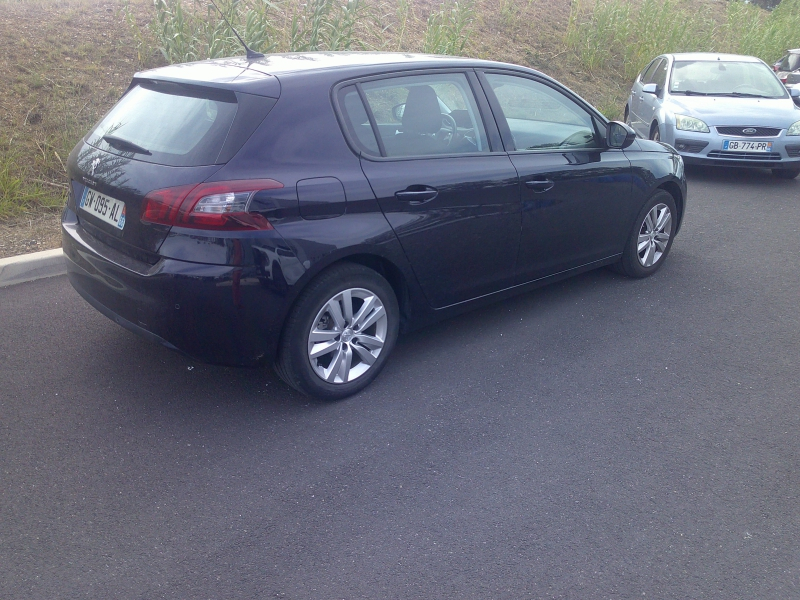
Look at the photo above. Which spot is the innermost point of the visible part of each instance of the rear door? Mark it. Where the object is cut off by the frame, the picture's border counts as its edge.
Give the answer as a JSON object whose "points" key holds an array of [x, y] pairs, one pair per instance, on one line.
{"points": [[450, 197]]}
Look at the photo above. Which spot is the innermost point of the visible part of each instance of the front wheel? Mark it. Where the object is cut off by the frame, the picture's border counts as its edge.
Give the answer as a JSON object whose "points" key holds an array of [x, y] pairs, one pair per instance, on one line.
{"points": [[340, 333], [786, 173], [651, 237], [655, 134]]}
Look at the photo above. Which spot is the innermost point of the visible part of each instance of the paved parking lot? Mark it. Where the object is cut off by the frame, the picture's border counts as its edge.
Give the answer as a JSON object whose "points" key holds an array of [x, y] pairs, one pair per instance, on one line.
{"points": [[600, 438]]}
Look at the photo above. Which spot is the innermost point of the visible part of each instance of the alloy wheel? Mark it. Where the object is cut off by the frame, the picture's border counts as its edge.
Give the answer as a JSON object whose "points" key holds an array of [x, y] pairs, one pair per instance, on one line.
{"points": [[654, 235], [347, 335]]}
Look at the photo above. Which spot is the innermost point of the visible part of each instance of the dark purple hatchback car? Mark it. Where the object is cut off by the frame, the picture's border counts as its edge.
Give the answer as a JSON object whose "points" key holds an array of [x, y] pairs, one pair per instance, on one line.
{"points": [[303, 209]]}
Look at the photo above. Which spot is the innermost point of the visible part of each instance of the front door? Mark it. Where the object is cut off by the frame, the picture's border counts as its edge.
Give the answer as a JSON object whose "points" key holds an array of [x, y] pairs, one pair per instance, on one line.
{"points": [[575, 192]]}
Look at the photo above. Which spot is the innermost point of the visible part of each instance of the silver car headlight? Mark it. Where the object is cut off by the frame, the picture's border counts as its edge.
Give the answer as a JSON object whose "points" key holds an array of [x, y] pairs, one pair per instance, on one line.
{"points": [[794, 129], [687, 123]]}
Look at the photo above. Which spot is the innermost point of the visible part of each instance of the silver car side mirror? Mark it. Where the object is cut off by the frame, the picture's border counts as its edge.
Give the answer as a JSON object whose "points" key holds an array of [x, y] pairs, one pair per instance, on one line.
{"points": [[650, 88]]}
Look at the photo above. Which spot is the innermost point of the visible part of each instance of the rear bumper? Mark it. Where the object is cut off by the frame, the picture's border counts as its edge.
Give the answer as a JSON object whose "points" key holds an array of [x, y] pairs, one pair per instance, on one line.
{"points": [[215, 313]]}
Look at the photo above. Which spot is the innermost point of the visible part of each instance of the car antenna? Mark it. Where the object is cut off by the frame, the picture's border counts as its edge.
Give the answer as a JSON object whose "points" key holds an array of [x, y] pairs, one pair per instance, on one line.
{"points": [[251, 54]]}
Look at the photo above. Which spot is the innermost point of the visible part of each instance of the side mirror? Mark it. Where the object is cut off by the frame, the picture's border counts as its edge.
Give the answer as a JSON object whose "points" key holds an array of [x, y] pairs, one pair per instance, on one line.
{"points": [[398, 110], [795, 94], [650, 88], [619, 135]]}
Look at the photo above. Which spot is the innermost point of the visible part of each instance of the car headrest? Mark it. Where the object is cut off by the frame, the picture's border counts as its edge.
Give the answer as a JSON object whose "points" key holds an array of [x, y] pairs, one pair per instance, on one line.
{"points": [[421, 113]]}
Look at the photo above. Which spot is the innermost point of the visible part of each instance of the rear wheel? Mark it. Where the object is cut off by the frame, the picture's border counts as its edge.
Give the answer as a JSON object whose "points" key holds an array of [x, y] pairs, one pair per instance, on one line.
{"points": [[340, 333], [786, 173], [651, 237]]}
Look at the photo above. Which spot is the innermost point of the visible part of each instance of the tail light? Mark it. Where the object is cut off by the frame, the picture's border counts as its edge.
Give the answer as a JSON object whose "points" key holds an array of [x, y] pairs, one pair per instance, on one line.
{"points": [[220, 205], [784, 79]]}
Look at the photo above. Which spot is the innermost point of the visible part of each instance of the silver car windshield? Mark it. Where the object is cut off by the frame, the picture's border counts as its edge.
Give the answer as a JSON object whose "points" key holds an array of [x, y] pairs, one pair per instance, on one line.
{"points": [[724, 78]]}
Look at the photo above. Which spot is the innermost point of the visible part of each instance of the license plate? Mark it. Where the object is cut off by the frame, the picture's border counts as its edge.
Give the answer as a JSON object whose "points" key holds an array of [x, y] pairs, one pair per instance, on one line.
{"points": [[746, 146], [103, 207]]}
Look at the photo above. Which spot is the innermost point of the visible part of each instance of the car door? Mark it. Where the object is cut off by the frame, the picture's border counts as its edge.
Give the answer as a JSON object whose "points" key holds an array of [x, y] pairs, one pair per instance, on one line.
{"points": [[450, 197], [650, 103], [635, 105], [575, 192]]}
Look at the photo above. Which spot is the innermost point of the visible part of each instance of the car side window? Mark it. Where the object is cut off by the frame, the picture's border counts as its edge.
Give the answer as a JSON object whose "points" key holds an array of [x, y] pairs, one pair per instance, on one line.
{"points": [[660, 75], [647, 72], [540, 117], [357, 120], [426, 115]]}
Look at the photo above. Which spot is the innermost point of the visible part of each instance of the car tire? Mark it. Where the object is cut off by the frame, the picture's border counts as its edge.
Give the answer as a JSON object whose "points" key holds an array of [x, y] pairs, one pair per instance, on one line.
{"points": [[627, 116], [651, 237], [786, 173], [340, 332], [655, 133]]}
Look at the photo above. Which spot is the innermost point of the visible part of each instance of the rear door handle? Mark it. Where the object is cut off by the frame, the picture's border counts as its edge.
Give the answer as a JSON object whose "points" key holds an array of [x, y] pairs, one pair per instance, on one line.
{"points": [[417, 194], [539, 185]]}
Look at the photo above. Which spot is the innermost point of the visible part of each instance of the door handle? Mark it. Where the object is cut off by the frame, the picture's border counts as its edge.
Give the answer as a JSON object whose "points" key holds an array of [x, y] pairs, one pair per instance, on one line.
{"points": [[539, 185], [417, 194]]}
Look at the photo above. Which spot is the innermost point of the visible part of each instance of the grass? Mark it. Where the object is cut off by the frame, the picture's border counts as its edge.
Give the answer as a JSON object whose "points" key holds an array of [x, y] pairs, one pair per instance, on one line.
{"points": [[58, 81], [623, 35]]}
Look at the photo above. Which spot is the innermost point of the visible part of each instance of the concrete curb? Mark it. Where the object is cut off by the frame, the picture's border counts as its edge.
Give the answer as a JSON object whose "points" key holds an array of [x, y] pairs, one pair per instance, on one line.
{"points": [[29, 267]]}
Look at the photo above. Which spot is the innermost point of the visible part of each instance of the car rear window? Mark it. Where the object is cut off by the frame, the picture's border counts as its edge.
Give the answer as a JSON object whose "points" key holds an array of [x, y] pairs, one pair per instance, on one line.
{"points": [[168, 124]]}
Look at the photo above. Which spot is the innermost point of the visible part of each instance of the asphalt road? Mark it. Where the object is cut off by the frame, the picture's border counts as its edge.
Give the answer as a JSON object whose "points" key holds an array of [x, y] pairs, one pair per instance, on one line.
{"points": [[600, 438]]}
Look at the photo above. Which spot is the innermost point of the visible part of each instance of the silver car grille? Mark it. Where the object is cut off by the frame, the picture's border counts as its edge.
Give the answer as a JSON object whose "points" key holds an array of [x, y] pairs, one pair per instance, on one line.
{"points": [[749, 131]]}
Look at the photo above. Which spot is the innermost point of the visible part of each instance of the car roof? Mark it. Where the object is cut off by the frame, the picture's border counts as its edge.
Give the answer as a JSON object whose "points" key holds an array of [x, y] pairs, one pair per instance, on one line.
{"points": [[261, 76], [714, 56]]}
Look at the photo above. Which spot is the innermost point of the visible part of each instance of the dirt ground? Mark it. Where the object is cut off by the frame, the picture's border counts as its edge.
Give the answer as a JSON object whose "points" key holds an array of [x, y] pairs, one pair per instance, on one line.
{"points": [[39, 232]]}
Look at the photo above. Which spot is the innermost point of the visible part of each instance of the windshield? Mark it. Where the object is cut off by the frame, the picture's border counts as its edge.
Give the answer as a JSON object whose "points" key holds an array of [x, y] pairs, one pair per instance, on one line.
{"points": [[725, 78]]}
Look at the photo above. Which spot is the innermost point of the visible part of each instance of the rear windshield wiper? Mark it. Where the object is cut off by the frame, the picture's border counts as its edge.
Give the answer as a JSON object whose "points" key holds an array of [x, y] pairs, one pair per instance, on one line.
{"points": [[125, 145]]}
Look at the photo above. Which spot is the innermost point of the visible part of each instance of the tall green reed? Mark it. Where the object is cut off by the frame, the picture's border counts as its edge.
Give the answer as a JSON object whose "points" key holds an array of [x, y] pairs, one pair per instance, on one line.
{"points": [[623, 34], [449, 28]]}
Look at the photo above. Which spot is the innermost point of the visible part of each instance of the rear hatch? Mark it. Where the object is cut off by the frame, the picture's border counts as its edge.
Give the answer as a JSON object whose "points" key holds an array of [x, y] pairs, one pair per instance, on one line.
{"points": [[162, 134]]}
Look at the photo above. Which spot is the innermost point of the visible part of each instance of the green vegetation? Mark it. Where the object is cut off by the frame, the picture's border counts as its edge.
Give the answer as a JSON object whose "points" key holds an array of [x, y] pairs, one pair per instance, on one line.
{"points": [[187, 30], [448, 29], [620, 34]]}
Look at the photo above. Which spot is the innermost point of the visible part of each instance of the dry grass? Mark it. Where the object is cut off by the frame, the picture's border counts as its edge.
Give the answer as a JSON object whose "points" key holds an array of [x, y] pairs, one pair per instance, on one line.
{"points": [[63, 64]]}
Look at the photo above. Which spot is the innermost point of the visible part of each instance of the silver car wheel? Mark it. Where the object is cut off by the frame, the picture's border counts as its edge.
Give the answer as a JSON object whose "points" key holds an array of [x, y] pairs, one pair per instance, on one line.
{"points": [[654, 235], [347, 335]]}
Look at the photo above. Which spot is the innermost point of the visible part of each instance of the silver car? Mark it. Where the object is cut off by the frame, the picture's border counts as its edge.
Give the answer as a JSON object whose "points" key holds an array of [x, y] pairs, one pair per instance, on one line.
{"points": [[718, 109]]}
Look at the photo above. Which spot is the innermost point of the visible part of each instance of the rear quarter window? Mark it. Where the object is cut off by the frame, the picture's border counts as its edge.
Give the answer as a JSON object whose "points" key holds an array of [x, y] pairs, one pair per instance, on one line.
{"points": [[168, 124]]}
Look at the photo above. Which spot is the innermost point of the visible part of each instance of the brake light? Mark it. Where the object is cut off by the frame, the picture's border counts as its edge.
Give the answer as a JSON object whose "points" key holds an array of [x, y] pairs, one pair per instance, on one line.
{"points": [[220, 205], [784, 79]]}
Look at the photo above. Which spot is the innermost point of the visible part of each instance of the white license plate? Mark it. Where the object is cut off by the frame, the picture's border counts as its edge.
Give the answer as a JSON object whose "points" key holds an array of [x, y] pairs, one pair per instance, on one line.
{"points": [[746, 146], [103, 207]]}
